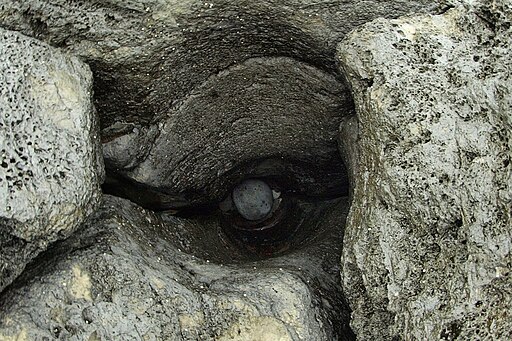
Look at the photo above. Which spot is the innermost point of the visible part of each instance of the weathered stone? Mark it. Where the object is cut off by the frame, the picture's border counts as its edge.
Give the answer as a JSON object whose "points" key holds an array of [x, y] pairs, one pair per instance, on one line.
{"points": [[50, 160], [149, 55], [266, 117], [134, 275], [153, 61], [427, 250]]}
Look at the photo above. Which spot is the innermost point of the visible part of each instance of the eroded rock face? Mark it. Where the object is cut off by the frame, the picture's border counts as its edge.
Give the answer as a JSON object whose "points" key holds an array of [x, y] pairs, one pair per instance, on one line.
{"points": [[164, 65], [135, 275], [193, 92], [50, 160], [427, 250], [148, 55], [267, 117]]}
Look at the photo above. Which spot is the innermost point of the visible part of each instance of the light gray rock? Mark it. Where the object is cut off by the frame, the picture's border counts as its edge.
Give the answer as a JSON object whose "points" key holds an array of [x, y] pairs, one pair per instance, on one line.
{"points": [[50, 160], [131, 274], [253, 199], [427, 249]]}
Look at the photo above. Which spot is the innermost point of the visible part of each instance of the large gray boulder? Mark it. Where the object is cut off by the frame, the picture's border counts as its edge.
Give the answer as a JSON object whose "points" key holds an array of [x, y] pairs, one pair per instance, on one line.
{"points": [[427, 248], [272, 117], [50, 160]]}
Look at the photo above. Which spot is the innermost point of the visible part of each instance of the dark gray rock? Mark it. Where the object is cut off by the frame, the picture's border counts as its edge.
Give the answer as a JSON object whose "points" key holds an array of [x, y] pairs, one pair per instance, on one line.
{"points": [[126, 145], [267, 117], [147, 55], [153, 60], [427, 250], [50, 159], [131, 274]]}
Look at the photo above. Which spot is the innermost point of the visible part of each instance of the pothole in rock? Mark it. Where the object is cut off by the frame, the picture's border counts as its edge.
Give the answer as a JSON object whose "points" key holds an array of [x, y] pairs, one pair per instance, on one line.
{"points": [[245, 171], [199, 102]]}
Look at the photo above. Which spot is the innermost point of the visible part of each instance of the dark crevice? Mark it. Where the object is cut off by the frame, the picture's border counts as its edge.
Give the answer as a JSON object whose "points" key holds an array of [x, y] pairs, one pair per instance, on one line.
{"points": [[315, 185]]}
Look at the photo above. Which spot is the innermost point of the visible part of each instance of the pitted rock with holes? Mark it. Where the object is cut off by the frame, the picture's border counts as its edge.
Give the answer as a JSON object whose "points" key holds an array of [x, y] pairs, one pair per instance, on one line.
{"points": [[50, 161]]}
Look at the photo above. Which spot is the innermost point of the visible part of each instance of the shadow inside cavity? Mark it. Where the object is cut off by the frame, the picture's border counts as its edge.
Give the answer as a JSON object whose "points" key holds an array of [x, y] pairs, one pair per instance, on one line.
{"points": [[191, 219]]}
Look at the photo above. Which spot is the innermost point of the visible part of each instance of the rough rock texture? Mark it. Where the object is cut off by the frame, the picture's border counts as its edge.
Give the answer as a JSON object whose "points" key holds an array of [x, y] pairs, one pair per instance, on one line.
{"points": [[153, 59], [210, 90], [427, 250], [148, 55], [133, 275], [50, 163], [275, 111]]}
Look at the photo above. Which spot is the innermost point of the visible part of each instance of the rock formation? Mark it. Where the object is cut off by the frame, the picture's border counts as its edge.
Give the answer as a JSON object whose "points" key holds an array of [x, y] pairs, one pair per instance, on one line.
{"points": [[383, 137], [51, 166], [135, 275], [427, 248]]}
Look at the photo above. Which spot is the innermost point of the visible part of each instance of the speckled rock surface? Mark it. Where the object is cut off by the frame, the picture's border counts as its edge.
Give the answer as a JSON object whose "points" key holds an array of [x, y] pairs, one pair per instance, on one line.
{"points": [[153, 60], [427, 250], [148, 55], [50, 161], [131, 274]]}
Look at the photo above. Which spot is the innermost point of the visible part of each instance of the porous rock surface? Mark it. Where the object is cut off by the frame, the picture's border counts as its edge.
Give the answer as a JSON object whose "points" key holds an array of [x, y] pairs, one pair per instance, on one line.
{"points": [[131, 274], [160, 65], [50, 163], [427, 249], [427, 252]]}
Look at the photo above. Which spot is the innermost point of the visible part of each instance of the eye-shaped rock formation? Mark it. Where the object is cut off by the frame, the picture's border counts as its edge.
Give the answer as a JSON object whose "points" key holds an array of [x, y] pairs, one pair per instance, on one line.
{"points": [[195, 97]]}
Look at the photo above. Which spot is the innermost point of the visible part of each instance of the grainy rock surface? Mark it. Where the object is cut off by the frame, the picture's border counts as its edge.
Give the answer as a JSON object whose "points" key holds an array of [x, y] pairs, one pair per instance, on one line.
{"points": [[266, 117], [427, 250], [131, 274], [161, 65], [148, 55], [196, 96], [50, 160]]}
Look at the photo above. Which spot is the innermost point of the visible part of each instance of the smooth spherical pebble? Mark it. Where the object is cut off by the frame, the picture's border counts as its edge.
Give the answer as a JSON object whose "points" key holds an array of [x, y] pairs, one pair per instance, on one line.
{"points": [[253, 199]]}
